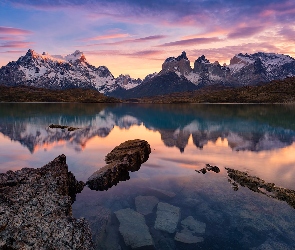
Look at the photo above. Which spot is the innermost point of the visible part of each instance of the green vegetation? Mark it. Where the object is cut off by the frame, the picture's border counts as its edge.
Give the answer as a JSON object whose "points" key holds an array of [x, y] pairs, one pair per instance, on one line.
{"points": [[32, 94]]}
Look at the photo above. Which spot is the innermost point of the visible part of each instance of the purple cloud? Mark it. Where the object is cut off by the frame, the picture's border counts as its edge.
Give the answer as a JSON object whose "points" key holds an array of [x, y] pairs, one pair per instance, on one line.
{"points": [[137, 40], [288, 33], [222, 12], [245, 32]]}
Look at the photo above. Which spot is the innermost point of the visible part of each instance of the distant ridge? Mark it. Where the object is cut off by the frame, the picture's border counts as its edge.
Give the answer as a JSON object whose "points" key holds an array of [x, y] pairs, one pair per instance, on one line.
{"points": [[33, 94], [277, 91]]}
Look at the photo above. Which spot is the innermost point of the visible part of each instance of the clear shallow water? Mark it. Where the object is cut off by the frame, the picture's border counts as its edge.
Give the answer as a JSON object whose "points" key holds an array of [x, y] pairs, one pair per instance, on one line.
{"points": [[258, 139]]}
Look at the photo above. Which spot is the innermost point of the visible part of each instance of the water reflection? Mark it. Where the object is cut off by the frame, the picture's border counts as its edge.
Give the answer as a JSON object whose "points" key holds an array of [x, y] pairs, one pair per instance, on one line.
{"points": [[251, 128], [258, 139]]}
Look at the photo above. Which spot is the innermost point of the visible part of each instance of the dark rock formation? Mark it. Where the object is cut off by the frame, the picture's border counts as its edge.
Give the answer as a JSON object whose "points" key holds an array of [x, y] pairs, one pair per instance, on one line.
{"points": [[258, 185], [35, 209], [255, 184], [179, 64], [128, 156], [161, 84], [208, 168]]}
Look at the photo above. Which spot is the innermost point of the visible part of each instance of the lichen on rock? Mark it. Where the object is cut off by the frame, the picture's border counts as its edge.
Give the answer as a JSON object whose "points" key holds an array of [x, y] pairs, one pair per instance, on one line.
{"points": [[36, 211]]}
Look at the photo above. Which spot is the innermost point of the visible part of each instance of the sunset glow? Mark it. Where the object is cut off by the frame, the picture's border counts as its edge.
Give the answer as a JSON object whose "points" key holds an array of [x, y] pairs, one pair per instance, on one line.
{"points": [[135, 37]]}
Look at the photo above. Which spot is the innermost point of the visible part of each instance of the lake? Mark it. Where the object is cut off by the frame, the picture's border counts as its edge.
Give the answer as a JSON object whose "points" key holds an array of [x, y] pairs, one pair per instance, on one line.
{"points": [[167, 204]]}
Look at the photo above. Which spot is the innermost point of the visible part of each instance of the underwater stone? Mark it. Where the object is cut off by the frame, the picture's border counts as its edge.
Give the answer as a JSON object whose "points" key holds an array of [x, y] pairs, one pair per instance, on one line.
{"points": [[167, 217], [133, 228], [187, 237], [145, 204], [193, 225]]}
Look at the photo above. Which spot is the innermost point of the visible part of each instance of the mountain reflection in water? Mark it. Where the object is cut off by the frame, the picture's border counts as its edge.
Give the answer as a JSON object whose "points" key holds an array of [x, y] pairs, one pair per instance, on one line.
{"points": [[253, 128]]}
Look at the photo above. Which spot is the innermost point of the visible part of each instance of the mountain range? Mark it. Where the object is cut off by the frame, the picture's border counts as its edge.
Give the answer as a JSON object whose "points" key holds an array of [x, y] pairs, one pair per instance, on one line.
{"points": [[74, 71]]}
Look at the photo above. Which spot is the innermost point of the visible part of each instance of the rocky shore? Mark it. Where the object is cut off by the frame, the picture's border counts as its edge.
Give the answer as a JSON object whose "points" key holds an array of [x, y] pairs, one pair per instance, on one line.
{"points": [[36, 209], [36, 204]]}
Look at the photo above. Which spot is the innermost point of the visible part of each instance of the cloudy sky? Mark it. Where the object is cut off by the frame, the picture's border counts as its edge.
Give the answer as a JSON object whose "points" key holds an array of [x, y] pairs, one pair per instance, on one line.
{"points": [[135, 36]]}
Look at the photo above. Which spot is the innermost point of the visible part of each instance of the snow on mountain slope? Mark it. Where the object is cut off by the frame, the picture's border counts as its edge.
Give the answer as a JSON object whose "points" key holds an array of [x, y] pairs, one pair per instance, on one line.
{"points": [[244, 69], [126, 82], [59, 72]]}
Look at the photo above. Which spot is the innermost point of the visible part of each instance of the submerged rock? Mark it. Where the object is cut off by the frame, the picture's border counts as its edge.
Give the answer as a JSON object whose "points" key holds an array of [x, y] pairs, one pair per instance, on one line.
{"points": [[193, 225], [208, 168], [190, 227], [128, 156], [134, 229], [36, 212], [187, 237], [145, 204], [258, 185], [167, 217]]}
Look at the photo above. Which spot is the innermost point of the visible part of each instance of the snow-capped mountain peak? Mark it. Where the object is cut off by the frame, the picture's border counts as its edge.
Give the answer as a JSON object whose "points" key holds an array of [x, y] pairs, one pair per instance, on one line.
{"points": [[126, 82], [77, 55], [203, 59]]}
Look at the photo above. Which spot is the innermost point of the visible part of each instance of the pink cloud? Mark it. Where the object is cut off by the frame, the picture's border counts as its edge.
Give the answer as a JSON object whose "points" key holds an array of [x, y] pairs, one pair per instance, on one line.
{"points": [[13, 52], [106, 36], [141, 53], [224, 54], [13, 44], [14, 31], [126, 41], [192, 41], [210, 33]]}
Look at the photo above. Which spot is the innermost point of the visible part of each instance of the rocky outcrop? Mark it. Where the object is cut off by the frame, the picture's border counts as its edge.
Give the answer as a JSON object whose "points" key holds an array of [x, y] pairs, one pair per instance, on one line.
{"points": [[208, 168], [244, 70], [35, 209], [258, 185], [133, 228], [128, 156], [250, 69], [177, 64]]}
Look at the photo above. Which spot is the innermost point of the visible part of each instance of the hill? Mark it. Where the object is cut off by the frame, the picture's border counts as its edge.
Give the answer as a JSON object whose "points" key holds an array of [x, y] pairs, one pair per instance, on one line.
{"points": [[277, 91], [33, 94]]}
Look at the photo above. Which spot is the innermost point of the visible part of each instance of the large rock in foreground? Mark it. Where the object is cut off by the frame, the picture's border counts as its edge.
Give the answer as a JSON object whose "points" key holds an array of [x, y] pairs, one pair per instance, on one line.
{"points": [[36, 212], [128, 156]]}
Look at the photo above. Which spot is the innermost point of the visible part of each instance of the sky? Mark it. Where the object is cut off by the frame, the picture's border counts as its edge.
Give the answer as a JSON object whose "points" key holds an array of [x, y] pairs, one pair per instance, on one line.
{"points": [[135, 36]]}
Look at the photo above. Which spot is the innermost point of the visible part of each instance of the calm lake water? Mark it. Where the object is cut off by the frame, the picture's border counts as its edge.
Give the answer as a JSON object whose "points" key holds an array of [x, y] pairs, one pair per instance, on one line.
{"points": [[167, 202]]}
